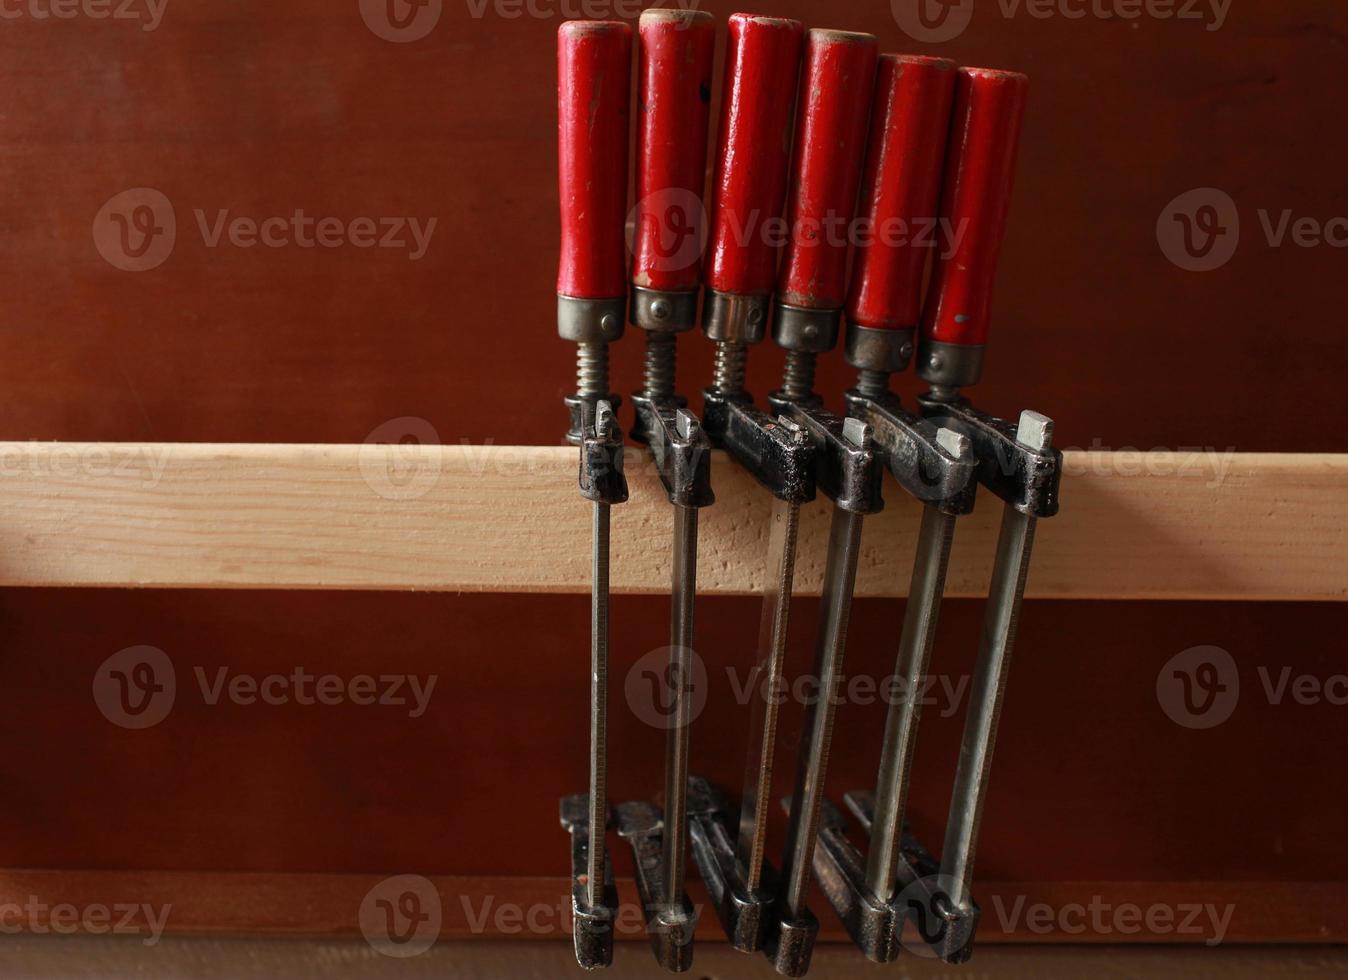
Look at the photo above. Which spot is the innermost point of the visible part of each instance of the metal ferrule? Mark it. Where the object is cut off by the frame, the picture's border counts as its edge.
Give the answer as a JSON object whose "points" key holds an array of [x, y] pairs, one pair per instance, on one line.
{"points": [[870, 349], [590, 321], [796, 328], [735, 318], [664, 312], [948, 366]]}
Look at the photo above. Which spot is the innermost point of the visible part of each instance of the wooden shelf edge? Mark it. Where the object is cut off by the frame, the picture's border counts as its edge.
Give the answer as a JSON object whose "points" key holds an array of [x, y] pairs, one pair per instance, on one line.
{"points": [[1268, 527]]}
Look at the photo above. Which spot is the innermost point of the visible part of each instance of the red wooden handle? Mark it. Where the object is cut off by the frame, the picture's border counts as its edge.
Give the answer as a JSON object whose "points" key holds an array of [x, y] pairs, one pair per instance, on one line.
{"points": [[899, 190], [836, 88], [749, 187], [979, 170], [594, 77], [675, 103]]}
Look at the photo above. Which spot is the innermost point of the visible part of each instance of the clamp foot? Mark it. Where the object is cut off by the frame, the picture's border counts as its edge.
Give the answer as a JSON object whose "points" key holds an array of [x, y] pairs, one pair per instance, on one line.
{"points": [[876, 925], [670, 925], [592, 924], [743, 913]]}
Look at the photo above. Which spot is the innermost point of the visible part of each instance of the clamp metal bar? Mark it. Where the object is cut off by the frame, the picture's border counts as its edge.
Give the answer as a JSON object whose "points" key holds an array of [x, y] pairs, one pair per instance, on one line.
{"points": [[915, 644], [1034, 456], [847, 470], [594, 899], [682, 453], [733, 863]]}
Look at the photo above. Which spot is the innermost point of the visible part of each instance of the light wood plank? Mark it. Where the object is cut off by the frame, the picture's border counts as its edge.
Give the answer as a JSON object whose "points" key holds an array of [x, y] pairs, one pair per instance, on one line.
{"points": [[508, 519]]}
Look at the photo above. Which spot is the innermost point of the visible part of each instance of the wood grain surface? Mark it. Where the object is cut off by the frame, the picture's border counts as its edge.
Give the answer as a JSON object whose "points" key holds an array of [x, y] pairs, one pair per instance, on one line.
{"points": [[508, 519]]}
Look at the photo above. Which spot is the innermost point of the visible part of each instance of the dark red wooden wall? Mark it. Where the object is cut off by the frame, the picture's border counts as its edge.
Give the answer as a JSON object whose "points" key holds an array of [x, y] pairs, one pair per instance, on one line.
{"points": [[262, 109]]}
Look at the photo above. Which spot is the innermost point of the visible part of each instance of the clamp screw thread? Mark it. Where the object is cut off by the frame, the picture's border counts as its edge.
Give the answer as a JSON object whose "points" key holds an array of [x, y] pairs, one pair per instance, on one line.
{"points": [[798, 382], [731, 361], [660, 363], [592, 370], [872, 384]]}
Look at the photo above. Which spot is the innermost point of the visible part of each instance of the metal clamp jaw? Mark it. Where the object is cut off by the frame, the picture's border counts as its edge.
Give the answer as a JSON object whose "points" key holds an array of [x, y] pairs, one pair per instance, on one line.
{"points": [[670, 927], [847, 467], [582, 409], [768, 448], [876, 926], [592, 924], [601, 455], [681, 449], [934, 465], [754, 920], [1025, 478], [743, 913]]}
